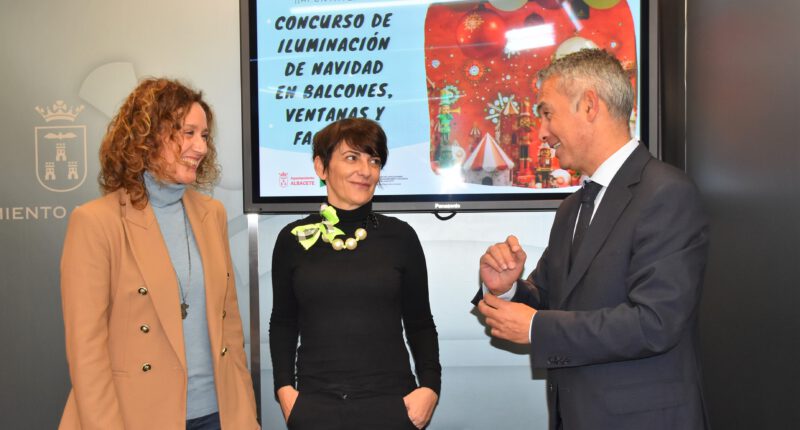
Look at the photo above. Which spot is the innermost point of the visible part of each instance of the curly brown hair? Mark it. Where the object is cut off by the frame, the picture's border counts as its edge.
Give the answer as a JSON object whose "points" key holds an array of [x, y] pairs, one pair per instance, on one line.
{"points": [[151, 115]]}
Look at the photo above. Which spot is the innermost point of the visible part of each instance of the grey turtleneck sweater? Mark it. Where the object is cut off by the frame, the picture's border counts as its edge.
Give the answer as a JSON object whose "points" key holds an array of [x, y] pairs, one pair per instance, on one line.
{"points": [[166, 201]]}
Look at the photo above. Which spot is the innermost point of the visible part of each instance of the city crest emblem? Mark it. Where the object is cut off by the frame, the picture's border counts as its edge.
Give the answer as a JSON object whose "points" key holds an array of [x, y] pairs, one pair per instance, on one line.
{"points": [[61, 162]]}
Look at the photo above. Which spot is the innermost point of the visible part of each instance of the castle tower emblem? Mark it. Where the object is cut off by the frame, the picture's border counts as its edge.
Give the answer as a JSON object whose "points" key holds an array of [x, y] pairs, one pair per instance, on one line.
{"points": [[61, 162]]}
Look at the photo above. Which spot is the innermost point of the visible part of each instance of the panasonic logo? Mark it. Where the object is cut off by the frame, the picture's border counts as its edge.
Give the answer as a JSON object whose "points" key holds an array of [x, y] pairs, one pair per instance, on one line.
{"points": [[447, 206]]}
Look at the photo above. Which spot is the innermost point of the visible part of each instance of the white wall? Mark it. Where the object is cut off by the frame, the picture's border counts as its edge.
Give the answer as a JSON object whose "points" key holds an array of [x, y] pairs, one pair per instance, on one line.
{"points": [[91, 53]]}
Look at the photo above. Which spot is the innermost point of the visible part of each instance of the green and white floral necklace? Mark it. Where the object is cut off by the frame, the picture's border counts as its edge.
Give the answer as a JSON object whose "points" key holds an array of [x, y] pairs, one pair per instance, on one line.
{"points": [[308, 234]]}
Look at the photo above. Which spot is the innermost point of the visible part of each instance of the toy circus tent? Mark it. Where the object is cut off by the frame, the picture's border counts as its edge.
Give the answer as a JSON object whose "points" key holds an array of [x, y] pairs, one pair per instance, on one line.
{"points": [[510, 109], [488, 156], [488, 164]]}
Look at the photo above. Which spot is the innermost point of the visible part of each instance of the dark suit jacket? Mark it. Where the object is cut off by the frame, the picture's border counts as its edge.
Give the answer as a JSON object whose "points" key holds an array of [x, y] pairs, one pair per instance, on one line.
{"points": [[617, 332]]}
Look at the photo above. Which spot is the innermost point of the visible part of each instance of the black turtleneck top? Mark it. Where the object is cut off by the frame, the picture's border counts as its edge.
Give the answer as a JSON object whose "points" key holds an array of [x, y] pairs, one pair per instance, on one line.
{"points": [[349, 309]]}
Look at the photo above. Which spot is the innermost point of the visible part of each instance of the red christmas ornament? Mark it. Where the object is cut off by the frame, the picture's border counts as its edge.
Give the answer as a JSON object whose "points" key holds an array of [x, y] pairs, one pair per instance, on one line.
{"points": [[481, 33]]}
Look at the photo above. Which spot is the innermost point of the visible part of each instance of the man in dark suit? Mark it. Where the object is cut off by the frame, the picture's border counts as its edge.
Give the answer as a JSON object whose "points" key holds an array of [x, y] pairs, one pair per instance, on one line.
{"points": [[611, 308]]}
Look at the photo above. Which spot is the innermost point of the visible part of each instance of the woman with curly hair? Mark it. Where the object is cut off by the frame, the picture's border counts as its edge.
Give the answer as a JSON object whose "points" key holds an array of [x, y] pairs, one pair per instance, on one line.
{"points": [[153, 332]]}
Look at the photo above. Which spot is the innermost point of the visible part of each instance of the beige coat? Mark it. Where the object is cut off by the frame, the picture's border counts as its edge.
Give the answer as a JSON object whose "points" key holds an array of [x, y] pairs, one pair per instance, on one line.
{"points": [[123, 324]]}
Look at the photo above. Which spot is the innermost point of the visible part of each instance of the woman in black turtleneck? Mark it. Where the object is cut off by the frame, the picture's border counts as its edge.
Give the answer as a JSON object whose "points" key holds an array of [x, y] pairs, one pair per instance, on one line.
{"points": [[347, 282]]}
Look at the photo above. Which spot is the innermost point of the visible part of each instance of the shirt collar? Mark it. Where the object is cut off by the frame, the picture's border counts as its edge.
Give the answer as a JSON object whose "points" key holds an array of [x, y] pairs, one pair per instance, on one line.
{"points": [[606, 172]]}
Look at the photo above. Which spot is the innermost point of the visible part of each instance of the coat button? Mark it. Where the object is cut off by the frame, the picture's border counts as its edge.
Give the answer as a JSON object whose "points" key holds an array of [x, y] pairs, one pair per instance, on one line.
{"points": [[143, 291], [144, 328], [146, 367], [224, 350], [550, 387], [223, 314]]}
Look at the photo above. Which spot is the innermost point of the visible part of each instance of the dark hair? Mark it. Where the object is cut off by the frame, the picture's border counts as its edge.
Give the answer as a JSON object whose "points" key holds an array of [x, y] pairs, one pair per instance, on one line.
{"points": [[363, 135], [152, 113]]}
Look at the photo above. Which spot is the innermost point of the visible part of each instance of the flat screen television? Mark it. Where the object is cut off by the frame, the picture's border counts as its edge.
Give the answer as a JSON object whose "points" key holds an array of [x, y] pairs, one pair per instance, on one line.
{"points": [[453, 84]]}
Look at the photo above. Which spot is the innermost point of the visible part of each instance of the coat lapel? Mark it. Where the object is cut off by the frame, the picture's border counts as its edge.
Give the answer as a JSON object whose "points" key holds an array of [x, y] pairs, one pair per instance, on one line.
{"points": [[615, 200], [561, 252], [152, 257], [202, 228], [571, 207]]}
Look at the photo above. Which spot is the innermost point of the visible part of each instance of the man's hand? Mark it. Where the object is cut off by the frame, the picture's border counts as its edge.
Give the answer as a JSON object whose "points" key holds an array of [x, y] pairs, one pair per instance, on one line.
{"points": [[508, 320], [420, 404], [502, 265]]}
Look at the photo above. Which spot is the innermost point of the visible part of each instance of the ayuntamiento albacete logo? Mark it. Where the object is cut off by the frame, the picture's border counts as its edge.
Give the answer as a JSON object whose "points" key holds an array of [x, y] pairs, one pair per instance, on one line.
{"points": [[60, 149]]}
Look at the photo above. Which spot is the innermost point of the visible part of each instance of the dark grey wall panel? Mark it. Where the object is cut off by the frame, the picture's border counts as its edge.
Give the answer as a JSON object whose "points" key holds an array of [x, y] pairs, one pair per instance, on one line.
{"points": [[743, 153]]}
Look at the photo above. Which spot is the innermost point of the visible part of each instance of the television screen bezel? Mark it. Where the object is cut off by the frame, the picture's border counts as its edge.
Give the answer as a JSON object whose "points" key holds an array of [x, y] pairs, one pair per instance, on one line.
{"points": [[649, 104]]}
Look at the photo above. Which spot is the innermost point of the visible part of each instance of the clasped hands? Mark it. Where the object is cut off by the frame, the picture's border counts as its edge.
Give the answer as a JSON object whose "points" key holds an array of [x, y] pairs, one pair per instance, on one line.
{"points": [[500, 267]]}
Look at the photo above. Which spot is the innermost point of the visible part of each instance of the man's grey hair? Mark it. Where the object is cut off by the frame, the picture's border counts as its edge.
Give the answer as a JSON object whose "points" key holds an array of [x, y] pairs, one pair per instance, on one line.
{"points": [[593, 69]]}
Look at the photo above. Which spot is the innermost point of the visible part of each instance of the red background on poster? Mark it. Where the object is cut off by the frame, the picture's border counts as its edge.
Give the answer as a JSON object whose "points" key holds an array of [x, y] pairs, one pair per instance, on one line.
{"points": [[464, 53]]}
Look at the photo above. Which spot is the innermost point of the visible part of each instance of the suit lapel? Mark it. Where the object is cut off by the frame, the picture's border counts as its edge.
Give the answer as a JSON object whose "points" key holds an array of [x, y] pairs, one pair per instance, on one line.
{"points": [[152, 257], [615, 200], [561, 241]]}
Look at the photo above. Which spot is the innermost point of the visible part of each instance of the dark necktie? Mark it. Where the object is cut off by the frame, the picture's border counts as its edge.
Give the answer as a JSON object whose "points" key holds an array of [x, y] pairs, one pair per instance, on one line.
{"points": [[588, 194]]}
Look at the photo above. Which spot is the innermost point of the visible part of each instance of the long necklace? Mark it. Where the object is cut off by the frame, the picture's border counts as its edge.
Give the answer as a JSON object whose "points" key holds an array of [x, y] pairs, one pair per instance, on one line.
{"points": [[185, 292]]}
